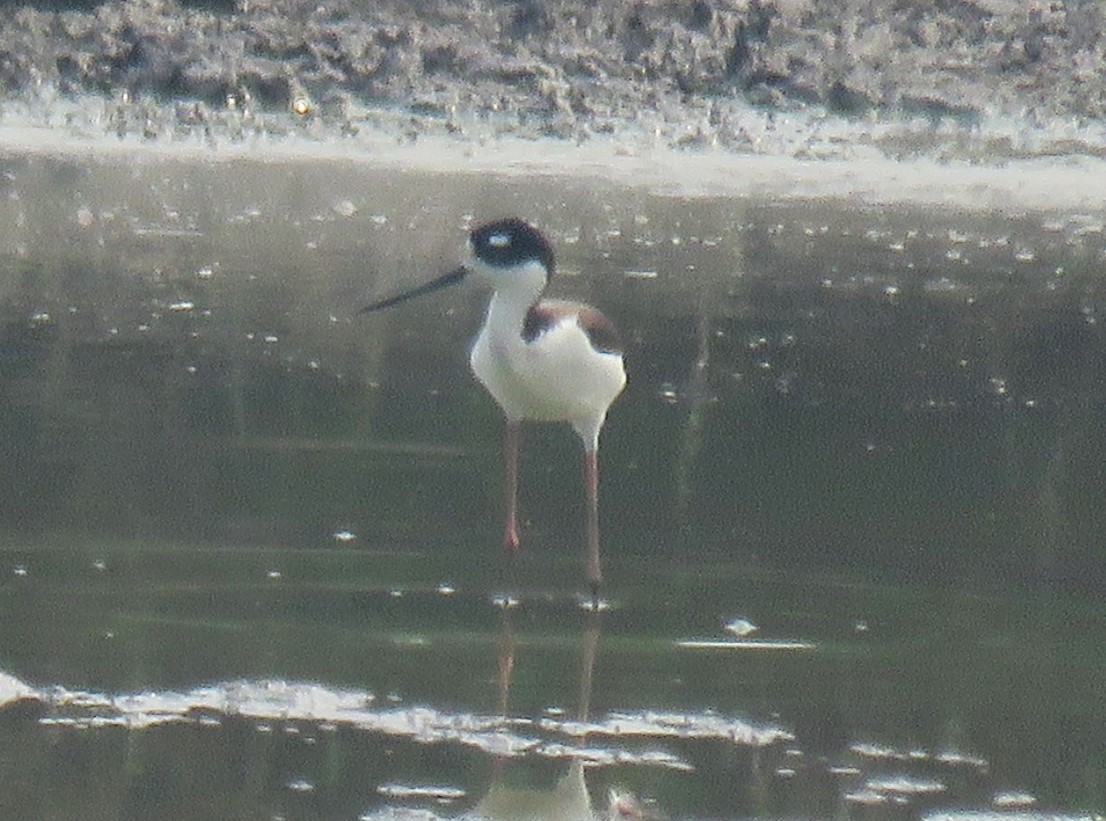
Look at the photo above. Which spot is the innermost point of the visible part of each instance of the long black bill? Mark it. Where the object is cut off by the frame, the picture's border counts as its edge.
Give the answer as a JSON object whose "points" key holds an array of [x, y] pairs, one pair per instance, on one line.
{"points": [[452, 278]]}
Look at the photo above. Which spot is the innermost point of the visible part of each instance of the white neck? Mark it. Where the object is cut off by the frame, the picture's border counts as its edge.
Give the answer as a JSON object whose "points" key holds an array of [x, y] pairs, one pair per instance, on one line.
{"points": [[506, 313], [516, 289]]}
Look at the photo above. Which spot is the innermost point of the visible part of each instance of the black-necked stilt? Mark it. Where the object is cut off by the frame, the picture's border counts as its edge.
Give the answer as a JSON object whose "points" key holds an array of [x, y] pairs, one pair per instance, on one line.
{"points": [[541, 359]]}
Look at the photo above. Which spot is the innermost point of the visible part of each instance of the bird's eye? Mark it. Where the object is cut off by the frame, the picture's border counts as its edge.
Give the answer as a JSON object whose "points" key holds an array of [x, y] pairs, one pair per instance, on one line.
{"points": [[499, 240]]}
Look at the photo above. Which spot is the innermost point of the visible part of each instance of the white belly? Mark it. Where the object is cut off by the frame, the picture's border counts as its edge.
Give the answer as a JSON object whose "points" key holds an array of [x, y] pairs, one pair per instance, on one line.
{"points": [[557, 377]]}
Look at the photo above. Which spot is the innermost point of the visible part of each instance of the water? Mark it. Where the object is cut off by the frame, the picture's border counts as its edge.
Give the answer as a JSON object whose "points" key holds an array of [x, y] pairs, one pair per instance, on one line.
{"points": [[248, 538]]}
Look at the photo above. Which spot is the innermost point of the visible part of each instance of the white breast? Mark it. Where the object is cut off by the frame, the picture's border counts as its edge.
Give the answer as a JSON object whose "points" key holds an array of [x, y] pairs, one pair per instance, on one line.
{"points": [[557, 377]]}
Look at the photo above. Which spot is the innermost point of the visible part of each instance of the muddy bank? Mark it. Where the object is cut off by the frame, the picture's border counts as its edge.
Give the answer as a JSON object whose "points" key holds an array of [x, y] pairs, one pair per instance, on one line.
{"points": [[983, 81]]}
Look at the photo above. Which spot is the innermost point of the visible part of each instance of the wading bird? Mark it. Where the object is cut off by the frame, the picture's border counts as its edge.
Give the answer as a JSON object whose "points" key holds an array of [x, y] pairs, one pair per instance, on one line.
{"points": [[540, 359]]}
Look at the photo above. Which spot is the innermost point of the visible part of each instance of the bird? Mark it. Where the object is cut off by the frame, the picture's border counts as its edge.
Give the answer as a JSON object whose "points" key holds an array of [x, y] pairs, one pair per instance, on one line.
{"points": [[547, 360]]}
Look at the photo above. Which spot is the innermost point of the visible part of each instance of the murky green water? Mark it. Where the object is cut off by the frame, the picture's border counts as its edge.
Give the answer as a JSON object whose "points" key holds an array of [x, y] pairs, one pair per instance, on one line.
{"points": [[248, 539]]}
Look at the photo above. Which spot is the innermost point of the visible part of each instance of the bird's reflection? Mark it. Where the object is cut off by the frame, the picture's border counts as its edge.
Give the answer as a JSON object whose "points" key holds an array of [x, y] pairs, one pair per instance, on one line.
{"points": [[568, 798]]}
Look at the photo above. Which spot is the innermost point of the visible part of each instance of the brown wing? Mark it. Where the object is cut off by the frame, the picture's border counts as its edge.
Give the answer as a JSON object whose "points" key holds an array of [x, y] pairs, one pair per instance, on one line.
{"points": [[601, 332]]}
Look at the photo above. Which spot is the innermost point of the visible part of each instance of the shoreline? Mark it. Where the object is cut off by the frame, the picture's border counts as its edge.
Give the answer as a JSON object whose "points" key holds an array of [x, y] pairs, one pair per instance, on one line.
{"points": [[1070, 184]]}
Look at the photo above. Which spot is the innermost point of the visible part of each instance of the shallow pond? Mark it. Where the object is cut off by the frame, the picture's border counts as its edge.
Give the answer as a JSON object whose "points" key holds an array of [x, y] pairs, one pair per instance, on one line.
{"points": [[249, 562]]}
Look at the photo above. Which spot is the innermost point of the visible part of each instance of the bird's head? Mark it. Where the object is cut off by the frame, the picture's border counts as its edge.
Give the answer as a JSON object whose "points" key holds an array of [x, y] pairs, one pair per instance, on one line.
{"points": [[509, 254]]}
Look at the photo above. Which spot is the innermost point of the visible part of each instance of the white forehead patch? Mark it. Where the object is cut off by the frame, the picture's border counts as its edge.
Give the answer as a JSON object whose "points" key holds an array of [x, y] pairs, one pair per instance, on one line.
{"points": [[499, 240]]}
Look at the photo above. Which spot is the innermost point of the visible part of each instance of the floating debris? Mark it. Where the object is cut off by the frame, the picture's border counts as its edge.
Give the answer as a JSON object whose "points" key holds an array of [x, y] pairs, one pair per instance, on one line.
{"points": [[751, 644], [404, 814], [427, 791], [685, 725], [866, 797], [741, 627], [301, 106], [975, 815], [958, 759], [344, 208], [668, 393], [947, 757], [905, 785], [410, 640], [1013, 798]]}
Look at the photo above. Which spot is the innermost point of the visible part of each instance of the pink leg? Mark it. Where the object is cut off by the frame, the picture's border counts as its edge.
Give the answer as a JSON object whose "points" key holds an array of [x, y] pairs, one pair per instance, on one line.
{"points": [[591, 489], [510, 460]]}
